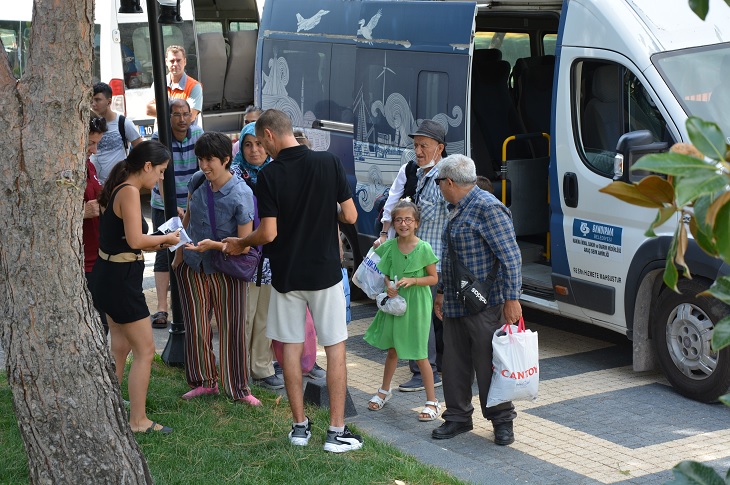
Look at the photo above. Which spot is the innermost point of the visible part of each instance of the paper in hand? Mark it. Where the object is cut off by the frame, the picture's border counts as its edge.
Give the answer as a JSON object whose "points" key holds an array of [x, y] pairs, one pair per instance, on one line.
{"points": [[172, 225]]}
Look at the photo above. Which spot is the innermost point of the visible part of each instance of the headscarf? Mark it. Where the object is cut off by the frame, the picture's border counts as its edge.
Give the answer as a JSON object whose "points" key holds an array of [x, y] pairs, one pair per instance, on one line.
{"points": [[246, 169]]}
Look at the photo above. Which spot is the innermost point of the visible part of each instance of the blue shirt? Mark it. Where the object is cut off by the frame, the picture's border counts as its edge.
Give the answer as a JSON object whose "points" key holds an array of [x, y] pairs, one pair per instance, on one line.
{"points": [[481, 231], [233, 207]]}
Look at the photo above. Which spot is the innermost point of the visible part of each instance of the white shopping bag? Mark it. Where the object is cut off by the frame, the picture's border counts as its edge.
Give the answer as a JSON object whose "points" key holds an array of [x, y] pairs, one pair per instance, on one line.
{"points": [[367, 277], [395, 306], [515, 366]]}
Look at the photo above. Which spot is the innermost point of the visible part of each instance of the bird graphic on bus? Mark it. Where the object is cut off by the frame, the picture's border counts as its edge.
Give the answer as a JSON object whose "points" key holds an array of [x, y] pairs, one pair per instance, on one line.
{"points": [[310, 23], [367, 30]]}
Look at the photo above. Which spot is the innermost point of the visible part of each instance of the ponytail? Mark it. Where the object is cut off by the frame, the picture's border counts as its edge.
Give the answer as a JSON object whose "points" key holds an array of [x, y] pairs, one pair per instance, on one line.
{"points": [[148, 151], [119, 174]]}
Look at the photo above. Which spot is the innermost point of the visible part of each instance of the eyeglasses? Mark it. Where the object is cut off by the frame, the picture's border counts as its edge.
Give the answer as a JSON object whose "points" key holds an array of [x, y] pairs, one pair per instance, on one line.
{"points": [[182, 115], [404, 220], [439, 179]]}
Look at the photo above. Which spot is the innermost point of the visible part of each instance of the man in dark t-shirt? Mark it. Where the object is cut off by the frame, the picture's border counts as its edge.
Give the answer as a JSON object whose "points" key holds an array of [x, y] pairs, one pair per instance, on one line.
{"points": [[302, 195]]}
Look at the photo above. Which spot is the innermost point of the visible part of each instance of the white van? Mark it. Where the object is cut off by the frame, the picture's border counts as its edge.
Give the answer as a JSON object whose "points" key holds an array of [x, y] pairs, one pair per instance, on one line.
{"points": [[500, 76], [227, 32]]}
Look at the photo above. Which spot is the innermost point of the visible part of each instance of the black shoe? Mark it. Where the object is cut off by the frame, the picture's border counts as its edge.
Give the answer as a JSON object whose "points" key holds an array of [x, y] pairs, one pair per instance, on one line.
{"points": [[503, 434], [450, 429]]}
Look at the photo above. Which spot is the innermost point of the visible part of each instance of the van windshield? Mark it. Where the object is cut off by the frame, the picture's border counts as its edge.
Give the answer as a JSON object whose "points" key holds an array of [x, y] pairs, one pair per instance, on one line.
{"points": [[698, 78]]}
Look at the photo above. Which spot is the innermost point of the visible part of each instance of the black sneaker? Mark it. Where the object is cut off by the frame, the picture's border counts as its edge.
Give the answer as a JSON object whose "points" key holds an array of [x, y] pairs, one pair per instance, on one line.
{"points": [[299, 435], [341, 442]]}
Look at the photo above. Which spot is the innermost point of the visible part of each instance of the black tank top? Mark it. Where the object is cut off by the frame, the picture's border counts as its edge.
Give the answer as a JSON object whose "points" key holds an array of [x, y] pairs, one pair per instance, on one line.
{"points": [[111, 230]]}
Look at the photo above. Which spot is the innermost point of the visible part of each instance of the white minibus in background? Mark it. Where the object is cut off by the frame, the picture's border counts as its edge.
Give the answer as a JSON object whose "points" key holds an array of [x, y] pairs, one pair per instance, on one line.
{"points": [[227, 31]]}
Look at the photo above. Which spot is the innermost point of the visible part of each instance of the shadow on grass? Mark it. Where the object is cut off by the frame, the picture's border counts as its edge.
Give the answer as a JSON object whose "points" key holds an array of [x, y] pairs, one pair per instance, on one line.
{"points": [[219, 441]]}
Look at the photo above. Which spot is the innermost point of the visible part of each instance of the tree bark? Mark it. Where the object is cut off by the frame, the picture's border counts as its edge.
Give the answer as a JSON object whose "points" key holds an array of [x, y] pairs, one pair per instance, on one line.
{"points": [[66, 397]]}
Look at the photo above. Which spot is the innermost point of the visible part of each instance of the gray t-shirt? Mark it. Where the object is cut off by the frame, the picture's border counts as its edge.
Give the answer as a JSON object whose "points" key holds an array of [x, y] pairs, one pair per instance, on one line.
{"points": [[110, 150]]}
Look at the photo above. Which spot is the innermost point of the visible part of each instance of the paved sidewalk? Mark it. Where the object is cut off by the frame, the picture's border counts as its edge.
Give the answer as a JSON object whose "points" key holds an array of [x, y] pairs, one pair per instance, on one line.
{"points": [[595, 421]]}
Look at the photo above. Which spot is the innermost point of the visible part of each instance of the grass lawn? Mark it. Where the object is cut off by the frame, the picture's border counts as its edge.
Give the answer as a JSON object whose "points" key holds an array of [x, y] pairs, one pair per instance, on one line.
{"points": [[216, 441]]}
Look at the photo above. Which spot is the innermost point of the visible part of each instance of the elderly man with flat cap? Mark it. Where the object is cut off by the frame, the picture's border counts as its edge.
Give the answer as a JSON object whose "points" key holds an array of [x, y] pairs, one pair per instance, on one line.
{"points": [[417, 182]]}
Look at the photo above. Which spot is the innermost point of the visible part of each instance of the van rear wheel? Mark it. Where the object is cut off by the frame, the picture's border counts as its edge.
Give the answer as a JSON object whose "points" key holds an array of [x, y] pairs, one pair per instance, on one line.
{"points": [[351, 258], [682, 333]]}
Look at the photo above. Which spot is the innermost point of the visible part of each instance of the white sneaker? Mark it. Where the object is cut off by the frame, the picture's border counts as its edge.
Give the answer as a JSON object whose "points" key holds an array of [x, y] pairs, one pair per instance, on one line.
{"points": [[299, 435], [342, 442]]}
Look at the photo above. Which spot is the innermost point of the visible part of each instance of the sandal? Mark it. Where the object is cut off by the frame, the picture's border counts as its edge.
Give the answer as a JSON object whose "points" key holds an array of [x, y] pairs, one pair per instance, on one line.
{"points": [[154, 429], [430, 412], [159, 320], [378, 401]]}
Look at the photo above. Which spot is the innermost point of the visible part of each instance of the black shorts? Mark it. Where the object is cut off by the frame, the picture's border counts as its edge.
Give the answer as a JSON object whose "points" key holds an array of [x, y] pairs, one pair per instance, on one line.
{"points": [[117, 290], [162, 263]]}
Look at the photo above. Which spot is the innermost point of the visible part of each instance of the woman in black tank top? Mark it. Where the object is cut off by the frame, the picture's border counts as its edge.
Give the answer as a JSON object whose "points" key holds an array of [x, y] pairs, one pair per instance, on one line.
{"points": [[118, 271]]}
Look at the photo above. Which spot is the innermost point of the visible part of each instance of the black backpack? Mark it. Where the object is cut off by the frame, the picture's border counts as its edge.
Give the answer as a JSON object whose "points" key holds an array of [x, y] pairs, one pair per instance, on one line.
{"points": [[122, 132]]}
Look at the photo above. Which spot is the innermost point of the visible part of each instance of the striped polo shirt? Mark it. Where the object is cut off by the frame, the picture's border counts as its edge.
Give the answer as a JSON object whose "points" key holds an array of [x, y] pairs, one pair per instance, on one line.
{"points": [[185, 165]]}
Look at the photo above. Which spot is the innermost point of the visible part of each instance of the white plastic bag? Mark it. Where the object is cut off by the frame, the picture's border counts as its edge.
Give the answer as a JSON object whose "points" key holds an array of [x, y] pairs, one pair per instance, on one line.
{"points": [[367, 277], [516, 371], [394, 306]]}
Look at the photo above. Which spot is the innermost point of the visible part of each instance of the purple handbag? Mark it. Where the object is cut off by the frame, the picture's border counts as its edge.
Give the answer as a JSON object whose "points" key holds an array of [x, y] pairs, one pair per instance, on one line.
{"points": [[242, 266]]}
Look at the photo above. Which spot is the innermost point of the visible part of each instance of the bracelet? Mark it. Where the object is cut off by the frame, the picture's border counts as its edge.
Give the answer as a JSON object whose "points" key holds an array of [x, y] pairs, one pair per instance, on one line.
{"points": [[383, 233], [439, 291], [416, 281]]}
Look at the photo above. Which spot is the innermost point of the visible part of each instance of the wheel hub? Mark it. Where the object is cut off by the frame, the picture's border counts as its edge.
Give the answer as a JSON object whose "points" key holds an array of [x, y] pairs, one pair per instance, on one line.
{"points": [[689, 332]]}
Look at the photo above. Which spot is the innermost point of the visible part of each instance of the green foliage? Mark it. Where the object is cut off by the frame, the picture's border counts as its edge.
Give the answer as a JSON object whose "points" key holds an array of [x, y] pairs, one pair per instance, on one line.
{"points": [[697, 190], [218, 441], [694, 473]]}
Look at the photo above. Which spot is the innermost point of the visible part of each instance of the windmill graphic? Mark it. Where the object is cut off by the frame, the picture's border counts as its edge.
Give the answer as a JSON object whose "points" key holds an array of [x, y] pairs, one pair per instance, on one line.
{"points": [[385, 70], [362, 131]]}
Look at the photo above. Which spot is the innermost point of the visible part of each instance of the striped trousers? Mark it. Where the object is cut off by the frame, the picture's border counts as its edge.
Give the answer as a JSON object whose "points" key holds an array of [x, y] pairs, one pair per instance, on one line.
{"points": [[203, 296]]}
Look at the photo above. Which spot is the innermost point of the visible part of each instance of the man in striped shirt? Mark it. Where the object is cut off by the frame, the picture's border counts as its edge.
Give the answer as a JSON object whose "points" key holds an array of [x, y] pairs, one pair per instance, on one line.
{"points": [[481, 234], [185, 164]]}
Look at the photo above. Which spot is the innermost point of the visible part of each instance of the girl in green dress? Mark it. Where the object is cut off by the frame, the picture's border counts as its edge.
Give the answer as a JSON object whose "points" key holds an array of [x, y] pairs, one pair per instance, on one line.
{"points": [[412, 263]]}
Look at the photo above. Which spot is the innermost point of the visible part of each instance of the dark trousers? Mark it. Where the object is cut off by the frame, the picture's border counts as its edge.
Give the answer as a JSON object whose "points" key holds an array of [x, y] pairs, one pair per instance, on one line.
{"points": [[468, 349], [434, 357]]}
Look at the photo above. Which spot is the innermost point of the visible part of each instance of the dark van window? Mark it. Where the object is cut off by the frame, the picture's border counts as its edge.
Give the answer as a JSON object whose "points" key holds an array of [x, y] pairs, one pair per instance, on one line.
{"points": [[296, 78], [136, 53], [433, 94], [341, 91], [612, 102]]}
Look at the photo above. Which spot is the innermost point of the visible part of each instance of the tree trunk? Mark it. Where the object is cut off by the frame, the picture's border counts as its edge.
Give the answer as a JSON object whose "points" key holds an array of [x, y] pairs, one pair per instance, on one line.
{"points": [[67, 401]]}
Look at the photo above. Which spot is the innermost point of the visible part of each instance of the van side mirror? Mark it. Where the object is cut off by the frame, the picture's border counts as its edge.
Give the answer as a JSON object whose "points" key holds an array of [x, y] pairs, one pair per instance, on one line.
{"points": [[629, 149]]}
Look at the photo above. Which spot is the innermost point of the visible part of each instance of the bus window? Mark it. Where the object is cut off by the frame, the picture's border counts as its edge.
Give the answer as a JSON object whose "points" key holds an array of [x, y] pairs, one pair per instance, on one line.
{"points": [[513, 45], [238, 25], [137, 57], [548, 44], [203, 27], [433, 94], [15, 35]]}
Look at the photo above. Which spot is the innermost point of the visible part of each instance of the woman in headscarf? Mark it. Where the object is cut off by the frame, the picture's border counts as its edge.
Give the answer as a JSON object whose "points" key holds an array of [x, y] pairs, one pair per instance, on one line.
{"points": [[247, 164]]}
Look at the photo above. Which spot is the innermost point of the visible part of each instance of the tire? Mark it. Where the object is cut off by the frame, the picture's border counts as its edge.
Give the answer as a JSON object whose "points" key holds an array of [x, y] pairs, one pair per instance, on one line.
{"points": [[682, 331], [351, 258]]}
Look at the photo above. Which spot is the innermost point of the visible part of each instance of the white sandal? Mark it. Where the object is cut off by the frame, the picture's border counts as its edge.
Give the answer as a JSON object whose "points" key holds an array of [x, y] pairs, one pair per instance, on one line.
{"points": [[379, 401], [432, 414]]}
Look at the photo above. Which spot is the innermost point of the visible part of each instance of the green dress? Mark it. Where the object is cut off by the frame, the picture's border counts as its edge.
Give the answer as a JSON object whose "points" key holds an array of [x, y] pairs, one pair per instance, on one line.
{"points": [[408, 333]]}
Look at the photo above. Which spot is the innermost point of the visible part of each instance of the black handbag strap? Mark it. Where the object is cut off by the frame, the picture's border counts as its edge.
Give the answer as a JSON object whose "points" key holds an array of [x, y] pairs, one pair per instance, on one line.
{"points": [[457, 264]]}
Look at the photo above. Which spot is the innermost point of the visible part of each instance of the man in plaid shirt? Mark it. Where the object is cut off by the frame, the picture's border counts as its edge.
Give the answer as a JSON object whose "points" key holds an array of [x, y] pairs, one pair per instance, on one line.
{"points": [[481, 232]]}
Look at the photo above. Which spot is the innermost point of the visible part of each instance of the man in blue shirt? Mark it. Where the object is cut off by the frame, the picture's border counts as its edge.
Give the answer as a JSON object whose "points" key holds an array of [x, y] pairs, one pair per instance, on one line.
{"points": [[185, 164], [481, 234]]}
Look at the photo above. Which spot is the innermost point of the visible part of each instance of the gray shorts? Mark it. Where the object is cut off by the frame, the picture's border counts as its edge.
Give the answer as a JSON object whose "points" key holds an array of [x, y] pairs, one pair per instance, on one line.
{"points": [[287, 315]]}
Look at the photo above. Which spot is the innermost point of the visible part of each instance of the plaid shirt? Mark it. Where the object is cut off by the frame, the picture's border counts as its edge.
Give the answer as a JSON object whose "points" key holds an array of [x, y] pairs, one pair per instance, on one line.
{"points": [[481, 229], [434, 210]]}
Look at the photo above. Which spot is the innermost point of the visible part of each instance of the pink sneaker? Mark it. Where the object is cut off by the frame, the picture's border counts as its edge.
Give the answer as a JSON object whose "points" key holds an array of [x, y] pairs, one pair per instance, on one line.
{"points": [[250, 400], [200, 391]]}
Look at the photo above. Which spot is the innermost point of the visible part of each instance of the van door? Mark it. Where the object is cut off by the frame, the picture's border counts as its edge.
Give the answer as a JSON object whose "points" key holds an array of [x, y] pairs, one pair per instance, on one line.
{"points": [[604, 96]]}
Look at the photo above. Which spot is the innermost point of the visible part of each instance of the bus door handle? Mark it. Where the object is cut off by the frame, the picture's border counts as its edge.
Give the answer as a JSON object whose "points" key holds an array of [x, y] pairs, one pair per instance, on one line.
{"points": [[570, 189]]}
